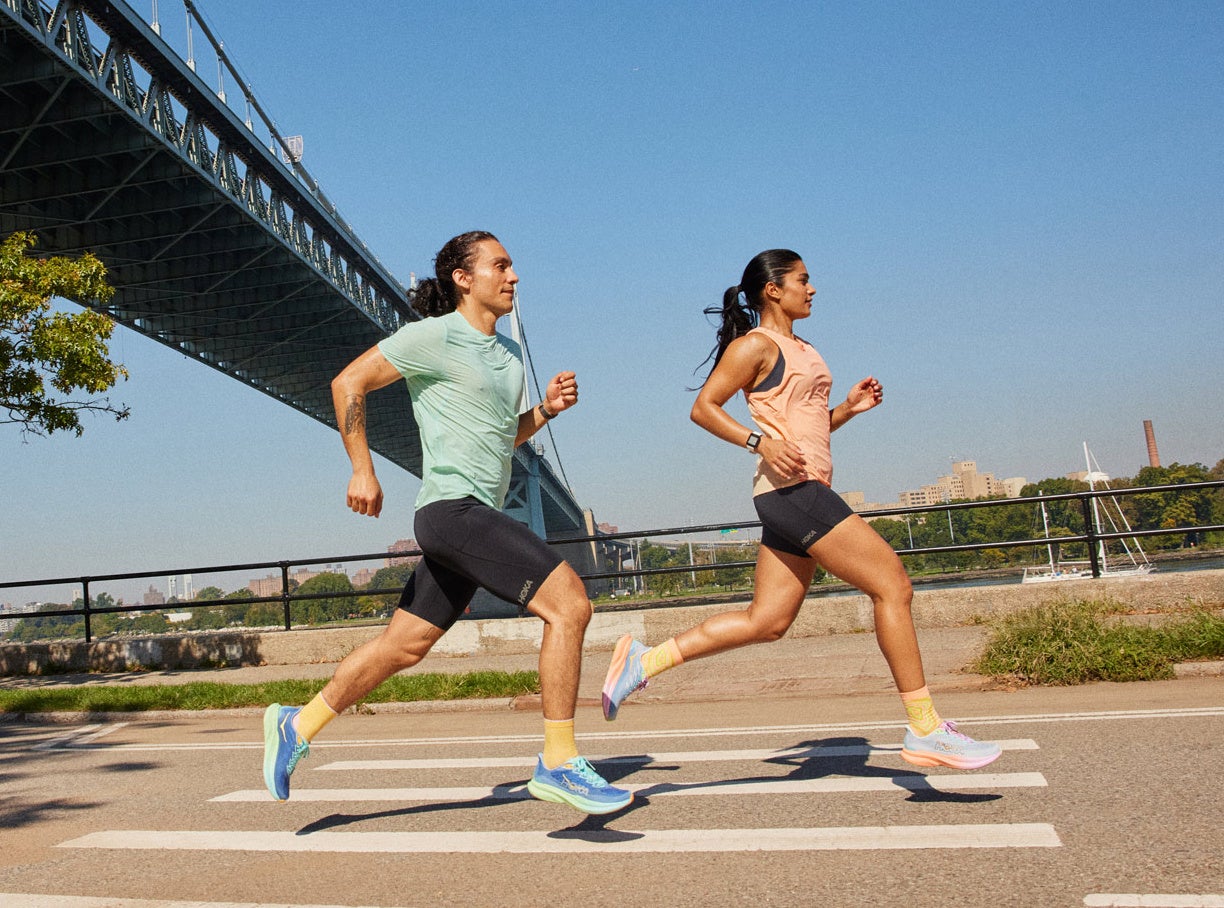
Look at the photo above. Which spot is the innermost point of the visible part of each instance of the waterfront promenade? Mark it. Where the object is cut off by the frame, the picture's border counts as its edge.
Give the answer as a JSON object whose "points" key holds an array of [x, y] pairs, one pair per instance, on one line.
{"points": [[829, 651]]}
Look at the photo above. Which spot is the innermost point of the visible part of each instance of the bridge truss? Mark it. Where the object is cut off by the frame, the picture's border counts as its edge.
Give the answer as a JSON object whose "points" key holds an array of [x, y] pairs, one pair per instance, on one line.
{"points": [[218, 241]]}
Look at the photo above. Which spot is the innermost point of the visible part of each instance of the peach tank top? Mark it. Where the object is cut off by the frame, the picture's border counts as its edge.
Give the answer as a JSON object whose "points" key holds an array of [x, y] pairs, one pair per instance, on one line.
{"points": [[792, 403]]}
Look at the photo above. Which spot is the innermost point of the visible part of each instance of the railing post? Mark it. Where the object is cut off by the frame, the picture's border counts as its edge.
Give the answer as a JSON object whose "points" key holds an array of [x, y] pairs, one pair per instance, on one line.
{"points": [[85, 604], [285, 593], [1094, 558]]}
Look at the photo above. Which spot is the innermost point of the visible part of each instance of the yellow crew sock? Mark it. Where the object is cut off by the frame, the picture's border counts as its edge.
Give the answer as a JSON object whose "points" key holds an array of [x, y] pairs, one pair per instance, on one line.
{"points": [[661, 658], [921, 711], [559, 744], [314, 715]]}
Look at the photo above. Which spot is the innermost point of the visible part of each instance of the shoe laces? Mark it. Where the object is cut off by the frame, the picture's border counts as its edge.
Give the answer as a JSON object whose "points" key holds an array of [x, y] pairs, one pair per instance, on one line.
{"points": [[301, 750], [582, 767], [950, 727]]}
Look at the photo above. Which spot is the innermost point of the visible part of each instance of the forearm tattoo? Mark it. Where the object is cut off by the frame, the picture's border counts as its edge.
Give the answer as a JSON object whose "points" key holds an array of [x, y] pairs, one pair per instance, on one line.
{"points": [[354, 415]]}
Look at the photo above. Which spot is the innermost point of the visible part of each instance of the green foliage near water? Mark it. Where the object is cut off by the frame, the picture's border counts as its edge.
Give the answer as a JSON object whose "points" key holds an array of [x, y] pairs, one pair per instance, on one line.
{"points": [[211, 695], [1075, 642]]}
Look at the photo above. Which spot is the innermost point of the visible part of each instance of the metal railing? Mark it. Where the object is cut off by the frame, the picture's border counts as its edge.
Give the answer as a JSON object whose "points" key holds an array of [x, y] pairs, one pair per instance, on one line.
{"points": [[287, 596]]}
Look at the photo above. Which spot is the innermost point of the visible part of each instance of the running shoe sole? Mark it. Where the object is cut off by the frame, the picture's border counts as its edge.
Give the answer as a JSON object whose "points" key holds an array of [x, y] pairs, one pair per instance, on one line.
{"points": [[572, 799], [619, 656], [925, 758]]}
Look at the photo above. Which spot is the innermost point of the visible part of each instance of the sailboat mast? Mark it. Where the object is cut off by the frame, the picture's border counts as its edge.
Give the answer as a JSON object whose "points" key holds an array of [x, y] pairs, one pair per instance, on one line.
{"points": [[1096, 516]]}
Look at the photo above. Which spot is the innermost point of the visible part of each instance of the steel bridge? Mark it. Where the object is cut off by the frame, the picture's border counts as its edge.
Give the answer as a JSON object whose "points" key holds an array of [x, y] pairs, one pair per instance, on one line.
{"points": [[217, 240]]}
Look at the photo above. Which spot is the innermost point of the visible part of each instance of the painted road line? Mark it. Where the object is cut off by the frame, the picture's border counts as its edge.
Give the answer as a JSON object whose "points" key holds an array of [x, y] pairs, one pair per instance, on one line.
{"points": [[658, 734], [33, 900], [1153, 900], [67, 739], [608, 841], [518, 791], [684, 756]]}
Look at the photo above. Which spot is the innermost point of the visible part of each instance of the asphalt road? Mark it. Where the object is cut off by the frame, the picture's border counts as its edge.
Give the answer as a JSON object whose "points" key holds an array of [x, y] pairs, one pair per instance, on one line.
{"points": [[1105, 795]]}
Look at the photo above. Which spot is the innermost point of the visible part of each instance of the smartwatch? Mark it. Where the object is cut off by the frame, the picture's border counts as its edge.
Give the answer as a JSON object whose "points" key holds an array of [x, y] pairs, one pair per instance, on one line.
{"points": [[754, 439]]}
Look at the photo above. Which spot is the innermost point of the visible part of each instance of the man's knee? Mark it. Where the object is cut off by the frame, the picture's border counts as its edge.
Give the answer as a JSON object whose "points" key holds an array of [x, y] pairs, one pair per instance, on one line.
{"points": [[562, 597], [407, 638]]}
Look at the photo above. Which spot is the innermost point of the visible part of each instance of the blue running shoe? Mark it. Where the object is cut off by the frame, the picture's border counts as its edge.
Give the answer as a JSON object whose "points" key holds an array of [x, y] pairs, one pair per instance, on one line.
{"points": [[946, 746], [282, 749], [625, 674], [576, 783]]}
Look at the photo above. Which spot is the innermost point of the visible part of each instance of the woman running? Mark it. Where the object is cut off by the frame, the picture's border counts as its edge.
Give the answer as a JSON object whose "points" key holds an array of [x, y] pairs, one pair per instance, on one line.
{"points": [[466, 385], [804, 522]]}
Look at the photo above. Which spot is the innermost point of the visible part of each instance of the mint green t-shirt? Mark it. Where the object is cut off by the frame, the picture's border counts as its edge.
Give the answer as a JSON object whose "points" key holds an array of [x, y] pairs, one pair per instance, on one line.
{"points": [[466, 389]]}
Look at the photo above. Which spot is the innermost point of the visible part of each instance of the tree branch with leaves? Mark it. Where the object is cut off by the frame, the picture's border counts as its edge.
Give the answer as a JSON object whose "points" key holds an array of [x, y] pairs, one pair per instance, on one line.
{"points": [[48, 358]]}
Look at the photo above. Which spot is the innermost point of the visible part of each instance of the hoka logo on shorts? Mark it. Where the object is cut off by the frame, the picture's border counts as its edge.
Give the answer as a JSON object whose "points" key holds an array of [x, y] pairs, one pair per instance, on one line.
{"points": [[808, 538], [525, 592]]}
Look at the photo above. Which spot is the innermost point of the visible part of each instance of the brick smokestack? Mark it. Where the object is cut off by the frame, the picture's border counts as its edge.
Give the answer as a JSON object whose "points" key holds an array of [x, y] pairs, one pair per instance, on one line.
{"points": [[1150, 433]]}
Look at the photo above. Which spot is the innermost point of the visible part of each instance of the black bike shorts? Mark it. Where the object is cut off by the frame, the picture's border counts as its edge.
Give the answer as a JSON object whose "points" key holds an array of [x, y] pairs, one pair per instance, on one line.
{"points": [[796, 516], [467, 544]]}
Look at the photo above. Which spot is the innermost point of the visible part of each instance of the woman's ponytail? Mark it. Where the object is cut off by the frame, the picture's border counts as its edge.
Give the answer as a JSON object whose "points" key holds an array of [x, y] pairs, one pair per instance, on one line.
{"points": [[741, 307]]}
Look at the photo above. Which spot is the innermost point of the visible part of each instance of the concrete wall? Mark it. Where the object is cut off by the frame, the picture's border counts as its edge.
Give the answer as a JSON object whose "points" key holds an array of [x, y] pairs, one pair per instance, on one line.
{"points": [[821, 615]]}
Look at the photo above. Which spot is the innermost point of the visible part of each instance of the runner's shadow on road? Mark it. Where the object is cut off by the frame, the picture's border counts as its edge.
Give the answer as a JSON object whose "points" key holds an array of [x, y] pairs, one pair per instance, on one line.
{"points": [[507, 793], [594, 828], [828, 758]]}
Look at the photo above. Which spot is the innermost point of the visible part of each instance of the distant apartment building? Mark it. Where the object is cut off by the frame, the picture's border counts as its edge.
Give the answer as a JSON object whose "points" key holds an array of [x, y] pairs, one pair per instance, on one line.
{"points": [[965, 482], [363, 577], [403, 545], [153, 596], [271, 584]]}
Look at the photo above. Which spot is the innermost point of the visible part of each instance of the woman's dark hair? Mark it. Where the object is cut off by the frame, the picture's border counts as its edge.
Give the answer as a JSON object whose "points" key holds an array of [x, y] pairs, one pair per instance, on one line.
{"points": [[738, 317], [439, 295]]}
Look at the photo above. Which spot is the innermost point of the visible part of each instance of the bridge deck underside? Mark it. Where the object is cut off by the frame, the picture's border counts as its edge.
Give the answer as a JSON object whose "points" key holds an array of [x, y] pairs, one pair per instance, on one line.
{"points": [[191, 266]]}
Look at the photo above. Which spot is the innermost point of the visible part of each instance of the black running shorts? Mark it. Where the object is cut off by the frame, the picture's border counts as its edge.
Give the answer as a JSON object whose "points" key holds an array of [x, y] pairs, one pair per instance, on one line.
{"points": [[466, 545], [796, 516]]}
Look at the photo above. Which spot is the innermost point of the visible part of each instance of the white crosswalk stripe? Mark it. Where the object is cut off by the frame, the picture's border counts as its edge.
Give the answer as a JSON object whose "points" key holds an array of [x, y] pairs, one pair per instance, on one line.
{"points": [[757, 781], [1010, 835], [978, 782], [684, 756]]}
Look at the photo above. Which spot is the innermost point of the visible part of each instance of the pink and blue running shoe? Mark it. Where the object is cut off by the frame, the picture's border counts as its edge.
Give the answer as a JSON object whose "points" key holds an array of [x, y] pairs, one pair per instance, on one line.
{"points": [[625, 674], [946, 746]]}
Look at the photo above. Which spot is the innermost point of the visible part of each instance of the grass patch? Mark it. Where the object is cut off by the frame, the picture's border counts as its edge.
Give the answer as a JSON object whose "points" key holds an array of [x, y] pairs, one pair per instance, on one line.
{"points": [[1074, 642], [211, 695]]}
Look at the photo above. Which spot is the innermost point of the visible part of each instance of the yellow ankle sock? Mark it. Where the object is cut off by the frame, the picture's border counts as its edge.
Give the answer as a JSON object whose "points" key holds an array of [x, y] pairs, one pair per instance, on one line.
{"points": [[661, 658], [921, 711], [559, 744], [314, 715]]}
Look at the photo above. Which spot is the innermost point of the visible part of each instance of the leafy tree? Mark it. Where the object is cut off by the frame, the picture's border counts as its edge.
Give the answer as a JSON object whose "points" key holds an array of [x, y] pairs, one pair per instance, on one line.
{"points": [[319, 611], [1166, 510], [44, 355], [210, 594]]}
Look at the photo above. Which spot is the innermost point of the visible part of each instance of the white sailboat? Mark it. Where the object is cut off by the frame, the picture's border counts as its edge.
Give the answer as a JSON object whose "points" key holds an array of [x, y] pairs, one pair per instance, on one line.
{"points": [[1132, 563], [1057, 570]]}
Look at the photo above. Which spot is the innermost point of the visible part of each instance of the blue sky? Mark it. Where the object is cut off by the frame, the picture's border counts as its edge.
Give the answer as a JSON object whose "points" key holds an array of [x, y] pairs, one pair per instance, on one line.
{"points": [[1013, 213]]}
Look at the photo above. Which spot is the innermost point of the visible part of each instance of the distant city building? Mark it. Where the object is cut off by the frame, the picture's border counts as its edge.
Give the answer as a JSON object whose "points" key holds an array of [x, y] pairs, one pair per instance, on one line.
{"points": [[403, 545], [965, 482], [271, 584], [6, 608], [153, 596], [363, 577]]}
